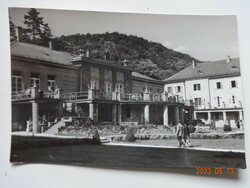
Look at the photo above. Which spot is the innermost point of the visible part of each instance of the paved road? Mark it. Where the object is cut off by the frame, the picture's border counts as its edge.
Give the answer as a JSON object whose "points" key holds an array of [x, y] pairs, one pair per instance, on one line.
{"points": [[106, 155]]}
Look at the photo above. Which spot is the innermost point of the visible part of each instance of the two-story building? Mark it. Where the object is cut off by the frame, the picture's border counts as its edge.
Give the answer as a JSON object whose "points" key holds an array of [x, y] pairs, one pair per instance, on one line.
{"points": [[215, 89], [48, 83]]}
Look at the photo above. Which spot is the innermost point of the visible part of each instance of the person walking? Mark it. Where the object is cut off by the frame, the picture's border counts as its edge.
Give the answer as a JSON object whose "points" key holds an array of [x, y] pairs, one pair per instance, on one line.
{"points": [[180, 134], [186, 135]]}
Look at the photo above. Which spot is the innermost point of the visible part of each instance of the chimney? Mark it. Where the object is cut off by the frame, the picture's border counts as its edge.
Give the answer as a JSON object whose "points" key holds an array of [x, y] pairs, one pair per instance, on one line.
{"points": [[19, 33], [228, 59], [193, 64], [50, 45], [87, 53]]}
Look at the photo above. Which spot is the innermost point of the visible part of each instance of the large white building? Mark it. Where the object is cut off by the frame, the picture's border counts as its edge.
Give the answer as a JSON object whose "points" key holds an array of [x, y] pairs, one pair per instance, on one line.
{"points": [[214, 88]]}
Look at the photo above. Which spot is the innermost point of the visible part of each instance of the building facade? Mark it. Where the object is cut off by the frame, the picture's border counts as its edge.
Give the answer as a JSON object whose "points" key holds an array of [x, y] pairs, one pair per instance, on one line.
{"points": [[214, 88], [50, 84]]}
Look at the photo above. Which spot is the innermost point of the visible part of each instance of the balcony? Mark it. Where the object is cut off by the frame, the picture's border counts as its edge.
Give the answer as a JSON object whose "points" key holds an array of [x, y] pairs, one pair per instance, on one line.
{"points": [[224, 105], [92, 94], [33, 93]]}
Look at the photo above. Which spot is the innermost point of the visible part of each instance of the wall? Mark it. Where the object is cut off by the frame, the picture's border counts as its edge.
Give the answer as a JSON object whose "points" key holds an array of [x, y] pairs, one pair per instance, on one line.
{"points": [[139, 85], [85, 74], [203, 93], [226, 92], [66, 78], [174, 86]]}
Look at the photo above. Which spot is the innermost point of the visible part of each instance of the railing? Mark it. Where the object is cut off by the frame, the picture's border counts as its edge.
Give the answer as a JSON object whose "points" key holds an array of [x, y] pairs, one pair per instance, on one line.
{"points": [[155, 97], [32, 93], [107, 96], [75, 95], [117, 96], [21, 95], [132, 97], [222, 106]]}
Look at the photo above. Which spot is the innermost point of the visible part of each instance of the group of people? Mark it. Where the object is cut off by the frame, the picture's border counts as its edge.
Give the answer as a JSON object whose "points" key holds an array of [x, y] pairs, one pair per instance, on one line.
{"points": [[183, 135]]}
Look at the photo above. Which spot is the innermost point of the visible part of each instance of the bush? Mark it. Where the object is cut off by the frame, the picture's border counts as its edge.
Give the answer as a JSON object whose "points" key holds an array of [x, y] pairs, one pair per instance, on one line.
{"points": [[96, 137], [130, 137], [227, 128]]}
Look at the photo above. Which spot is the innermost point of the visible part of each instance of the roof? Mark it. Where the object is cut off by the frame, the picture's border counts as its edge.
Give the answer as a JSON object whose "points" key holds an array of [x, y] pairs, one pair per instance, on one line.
{"points": [[41, 53], [144, 77], [211, 69], [82, 59]]}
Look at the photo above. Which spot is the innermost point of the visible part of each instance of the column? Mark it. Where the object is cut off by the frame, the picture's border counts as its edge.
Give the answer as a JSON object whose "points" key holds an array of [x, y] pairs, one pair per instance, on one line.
{"points": [[146, 113], [119, 111], [27, 126], [195, 115], [177, 113], [225, 117], [165, 115], [114, 113], [240, 115], [96, 112], [35, 117], [91, 110], [209, 117], [90, 93]]}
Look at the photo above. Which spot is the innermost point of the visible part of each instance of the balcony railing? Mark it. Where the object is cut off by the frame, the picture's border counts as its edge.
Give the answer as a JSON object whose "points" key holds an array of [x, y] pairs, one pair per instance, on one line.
{"points": [[75, 95], [132, 97], [126, 97], [21, 95], [33, 93]]}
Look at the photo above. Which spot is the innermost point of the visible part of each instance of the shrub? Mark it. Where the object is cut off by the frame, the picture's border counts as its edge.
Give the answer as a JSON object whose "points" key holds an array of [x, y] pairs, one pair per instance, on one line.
{"points": [[227, 128], [96, 137], [130, 137]]}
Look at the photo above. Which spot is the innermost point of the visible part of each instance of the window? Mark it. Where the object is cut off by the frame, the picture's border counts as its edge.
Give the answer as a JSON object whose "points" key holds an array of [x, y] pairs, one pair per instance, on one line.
{"points": [[233, 99], [169, 89], [218, 85], [178, 89], [119, 88], [107, 88], [197, 87], [16, 81], [94, 85], [233, 84], [218, 101], [35, 80], [157, 91], [51, 83], [197, 101]]}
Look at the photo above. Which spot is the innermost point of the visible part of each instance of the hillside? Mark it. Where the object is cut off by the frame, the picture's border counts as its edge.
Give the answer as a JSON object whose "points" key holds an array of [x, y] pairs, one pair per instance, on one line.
{"points": [[149, 58]]}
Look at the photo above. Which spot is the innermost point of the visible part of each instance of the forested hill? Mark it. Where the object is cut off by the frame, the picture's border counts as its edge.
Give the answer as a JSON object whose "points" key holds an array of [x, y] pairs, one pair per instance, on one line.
{"points": [[149, 58]]}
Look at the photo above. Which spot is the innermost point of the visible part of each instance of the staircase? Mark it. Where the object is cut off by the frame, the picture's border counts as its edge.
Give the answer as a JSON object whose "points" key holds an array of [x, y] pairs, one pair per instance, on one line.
{"points": [[54, 128]]}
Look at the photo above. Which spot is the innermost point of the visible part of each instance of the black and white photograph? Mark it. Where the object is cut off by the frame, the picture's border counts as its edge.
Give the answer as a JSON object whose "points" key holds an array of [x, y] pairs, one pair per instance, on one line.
{"points": [[125, 89]]}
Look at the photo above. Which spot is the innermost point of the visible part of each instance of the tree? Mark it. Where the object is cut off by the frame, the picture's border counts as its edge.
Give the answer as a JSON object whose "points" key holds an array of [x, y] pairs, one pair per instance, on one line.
{"points": [[37, 32], [12, 31]]}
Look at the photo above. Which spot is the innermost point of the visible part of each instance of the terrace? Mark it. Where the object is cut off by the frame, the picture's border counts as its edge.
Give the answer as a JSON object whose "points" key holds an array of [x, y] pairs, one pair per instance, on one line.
{"points": [[126, 97], [33, 93]]}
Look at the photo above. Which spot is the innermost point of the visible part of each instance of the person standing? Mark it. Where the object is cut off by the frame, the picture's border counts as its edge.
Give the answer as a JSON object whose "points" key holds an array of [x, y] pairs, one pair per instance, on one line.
{"points": [[180, 133]]}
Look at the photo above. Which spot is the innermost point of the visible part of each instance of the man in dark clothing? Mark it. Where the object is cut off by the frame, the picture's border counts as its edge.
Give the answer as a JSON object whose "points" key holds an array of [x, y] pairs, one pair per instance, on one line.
{"points": [[186, 135]]}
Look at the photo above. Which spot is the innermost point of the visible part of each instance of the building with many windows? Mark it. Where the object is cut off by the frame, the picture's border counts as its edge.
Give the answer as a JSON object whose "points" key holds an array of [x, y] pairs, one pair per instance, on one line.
{"points": [[49, 83], [214, 88]]}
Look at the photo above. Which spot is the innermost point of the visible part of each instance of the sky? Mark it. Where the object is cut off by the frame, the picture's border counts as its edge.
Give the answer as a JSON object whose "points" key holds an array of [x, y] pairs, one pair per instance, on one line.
{"points": [[206, 38]]}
